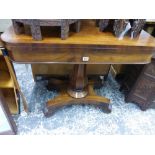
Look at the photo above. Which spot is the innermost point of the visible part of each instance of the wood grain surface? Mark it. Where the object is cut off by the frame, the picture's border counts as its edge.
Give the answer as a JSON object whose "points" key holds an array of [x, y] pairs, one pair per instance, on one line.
{"points": [[99, 47]]}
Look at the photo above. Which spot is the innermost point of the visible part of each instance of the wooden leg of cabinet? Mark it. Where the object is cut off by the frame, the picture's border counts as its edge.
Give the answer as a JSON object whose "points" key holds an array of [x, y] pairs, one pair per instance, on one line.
{"points": [[12, 99]]}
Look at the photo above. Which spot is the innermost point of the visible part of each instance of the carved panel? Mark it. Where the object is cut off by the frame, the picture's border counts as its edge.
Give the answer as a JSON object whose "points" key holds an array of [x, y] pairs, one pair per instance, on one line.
{"points": [[36, 30], [150, 70], [119, 26], [137, 26], [35, 24], [144, 88], [141, 89], [103, 23]]}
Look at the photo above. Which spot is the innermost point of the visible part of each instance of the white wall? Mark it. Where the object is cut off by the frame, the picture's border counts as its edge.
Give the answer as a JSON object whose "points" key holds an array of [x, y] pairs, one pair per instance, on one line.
{"points": [[4, 24]]}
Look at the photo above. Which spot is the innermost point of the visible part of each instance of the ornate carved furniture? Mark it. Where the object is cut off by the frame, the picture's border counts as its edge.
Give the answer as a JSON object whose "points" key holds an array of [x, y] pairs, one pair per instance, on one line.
{"points": [[139, 85], [103, 23], [136, 27], [35, 25], [89, 46], [119, 25]]}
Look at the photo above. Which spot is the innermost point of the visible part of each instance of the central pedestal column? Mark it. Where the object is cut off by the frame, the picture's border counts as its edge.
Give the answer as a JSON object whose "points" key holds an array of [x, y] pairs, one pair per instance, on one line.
{"points": [[78, 87], [79, 91]]}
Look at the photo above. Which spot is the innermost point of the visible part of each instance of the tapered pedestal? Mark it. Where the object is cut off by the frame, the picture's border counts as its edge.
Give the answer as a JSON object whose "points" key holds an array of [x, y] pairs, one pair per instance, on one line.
{"points": [[79, 91]]}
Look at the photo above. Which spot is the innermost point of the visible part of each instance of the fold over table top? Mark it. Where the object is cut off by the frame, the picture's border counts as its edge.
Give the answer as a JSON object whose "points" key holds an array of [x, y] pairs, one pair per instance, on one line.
{"points": [[100, 47]]}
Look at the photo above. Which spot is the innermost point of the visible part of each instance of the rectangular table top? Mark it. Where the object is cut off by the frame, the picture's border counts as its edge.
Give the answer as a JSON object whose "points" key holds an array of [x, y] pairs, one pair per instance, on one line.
{"points": [[89, 34], [100, 47]]}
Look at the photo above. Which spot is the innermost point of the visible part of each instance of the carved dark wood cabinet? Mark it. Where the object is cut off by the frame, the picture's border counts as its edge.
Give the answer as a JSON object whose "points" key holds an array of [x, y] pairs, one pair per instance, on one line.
{"points": [[103, 23], [139, 85], [136, 26], [119, 25], [35, 26]]}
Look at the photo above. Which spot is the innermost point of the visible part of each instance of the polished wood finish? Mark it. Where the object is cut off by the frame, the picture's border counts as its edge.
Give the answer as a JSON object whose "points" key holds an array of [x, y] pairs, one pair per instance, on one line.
{"points": [[8, 87], [46, 71], [13, 76], [9, 83], [5, 109], [1, 53], [118, 71], [78, 78], [100, 47], [5, 79], [64, 99], [79, 85], [89, 46], [59, 83], [11, 97]]}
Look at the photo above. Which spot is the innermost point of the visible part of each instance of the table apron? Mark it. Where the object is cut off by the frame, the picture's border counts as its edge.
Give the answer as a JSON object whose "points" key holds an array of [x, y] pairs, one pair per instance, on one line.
{"points": [[80, 56]]}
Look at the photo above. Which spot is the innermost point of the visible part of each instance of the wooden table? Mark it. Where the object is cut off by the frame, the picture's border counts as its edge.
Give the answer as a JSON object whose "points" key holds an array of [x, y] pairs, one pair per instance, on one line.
{"points": [[89, 46]]}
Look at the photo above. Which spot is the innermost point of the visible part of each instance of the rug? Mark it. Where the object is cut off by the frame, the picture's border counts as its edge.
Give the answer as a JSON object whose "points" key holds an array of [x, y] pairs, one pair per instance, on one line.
{"points": [[125, 118]]}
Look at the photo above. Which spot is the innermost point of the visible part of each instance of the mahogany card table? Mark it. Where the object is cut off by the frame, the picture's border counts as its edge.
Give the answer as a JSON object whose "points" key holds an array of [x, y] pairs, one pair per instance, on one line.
{"points": [[89, 46]]}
